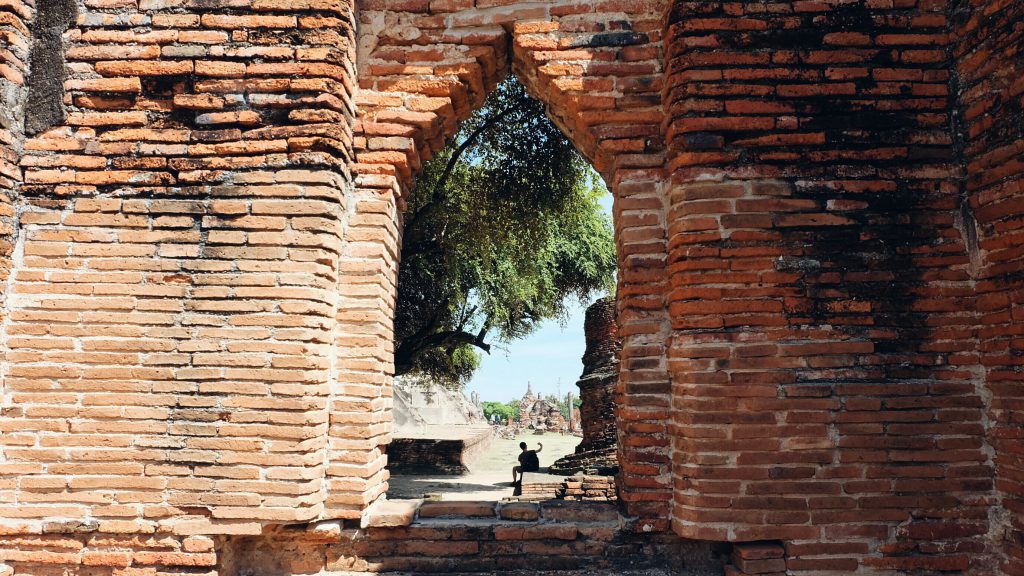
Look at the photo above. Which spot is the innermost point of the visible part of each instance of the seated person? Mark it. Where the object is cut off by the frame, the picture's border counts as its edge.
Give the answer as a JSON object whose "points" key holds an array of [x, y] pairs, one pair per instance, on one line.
{"points": [[528, 462]]}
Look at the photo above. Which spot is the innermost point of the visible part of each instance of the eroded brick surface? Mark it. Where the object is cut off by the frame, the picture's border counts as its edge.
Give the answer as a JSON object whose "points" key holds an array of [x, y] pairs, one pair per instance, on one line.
{"points": [[15, 44], [821, 287], [823, 358]]}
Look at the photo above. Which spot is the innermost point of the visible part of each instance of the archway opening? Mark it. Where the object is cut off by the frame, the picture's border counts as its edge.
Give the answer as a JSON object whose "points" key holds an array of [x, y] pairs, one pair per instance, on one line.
{"points": [[507, 240], [601, 79]]}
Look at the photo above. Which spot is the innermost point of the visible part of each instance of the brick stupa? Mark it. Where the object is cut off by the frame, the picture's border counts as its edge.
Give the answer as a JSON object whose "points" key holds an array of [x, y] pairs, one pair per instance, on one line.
{"points": [[597, 451]]}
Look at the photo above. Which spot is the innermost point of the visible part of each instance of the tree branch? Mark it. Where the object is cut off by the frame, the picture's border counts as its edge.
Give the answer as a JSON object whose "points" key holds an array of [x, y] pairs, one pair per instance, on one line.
{"points": [[442, 182], [407, 352]]}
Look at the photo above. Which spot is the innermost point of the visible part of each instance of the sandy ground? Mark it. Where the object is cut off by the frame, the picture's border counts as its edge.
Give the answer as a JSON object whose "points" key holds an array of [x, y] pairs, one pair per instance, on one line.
{"points": [[491, 476]]}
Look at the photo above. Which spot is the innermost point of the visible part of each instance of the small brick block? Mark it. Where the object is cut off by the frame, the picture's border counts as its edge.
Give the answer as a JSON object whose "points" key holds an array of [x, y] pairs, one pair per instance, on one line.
{"points": [[758, 551], [391, 513], [768, 566], [465, 509], [521, 511]]}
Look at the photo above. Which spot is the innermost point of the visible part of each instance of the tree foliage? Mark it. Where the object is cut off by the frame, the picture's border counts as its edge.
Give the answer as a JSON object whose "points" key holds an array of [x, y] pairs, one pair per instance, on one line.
{"points": [[503, 227], [506, 411]]}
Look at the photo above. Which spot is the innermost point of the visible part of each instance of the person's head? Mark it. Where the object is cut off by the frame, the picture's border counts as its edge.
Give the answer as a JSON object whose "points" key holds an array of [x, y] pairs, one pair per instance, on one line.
{"points": [[522, 445]]}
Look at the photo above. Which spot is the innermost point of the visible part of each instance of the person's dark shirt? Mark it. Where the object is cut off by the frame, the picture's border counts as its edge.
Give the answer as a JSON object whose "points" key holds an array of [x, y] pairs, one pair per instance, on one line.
{"points": [[529, 461]]}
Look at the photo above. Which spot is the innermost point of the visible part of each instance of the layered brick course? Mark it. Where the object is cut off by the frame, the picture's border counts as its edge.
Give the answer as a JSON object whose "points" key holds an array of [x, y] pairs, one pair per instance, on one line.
{"points": [[817, 215], [14, 50]]}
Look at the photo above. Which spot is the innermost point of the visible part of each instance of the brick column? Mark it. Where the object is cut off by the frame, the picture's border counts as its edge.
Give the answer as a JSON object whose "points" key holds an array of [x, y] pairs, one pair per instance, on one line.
{"points": [[361, 399], [178, 278], [824, 383]]}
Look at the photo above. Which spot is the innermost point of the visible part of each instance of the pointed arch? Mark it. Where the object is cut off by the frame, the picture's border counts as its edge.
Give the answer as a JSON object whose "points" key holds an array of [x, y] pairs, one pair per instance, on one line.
{"points": [[424, 67]]}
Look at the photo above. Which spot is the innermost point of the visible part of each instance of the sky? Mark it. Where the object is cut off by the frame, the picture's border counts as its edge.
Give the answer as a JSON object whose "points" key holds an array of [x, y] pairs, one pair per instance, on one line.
{"points": [[550, 359]]}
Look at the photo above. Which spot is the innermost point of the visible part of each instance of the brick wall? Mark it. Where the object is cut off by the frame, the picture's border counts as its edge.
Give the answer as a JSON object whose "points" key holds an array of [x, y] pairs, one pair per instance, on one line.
{"points": [[823, 361], [14, 50], [474, 537], [817, 221], [200, 334], [442, 537], [200, 330], [173, 314], [989, 70], [81, 547]]}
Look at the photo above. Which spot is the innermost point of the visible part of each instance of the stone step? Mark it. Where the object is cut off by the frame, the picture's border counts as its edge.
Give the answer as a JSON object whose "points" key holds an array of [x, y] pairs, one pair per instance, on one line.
{"points": [[398, 513], [391, 513]]}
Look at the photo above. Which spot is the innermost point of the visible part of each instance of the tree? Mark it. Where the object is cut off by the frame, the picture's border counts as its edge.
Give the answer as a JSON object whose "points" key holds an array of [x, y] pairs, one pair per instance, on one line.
{"points": [[505, 410], [502, 228]]}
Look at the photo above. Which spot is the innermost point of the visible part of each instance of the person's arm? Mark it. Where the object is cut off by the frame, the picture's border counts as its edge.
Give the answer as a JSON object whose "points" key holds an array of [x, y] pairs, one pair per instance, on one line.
{"points": [[541, 447]]}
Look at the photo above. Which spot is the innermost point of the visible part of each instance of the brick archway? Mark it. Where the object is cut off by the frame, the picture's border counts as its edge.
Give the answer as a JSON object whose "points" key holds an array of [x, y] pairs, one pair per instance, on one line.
{"points": [[423, 69]]}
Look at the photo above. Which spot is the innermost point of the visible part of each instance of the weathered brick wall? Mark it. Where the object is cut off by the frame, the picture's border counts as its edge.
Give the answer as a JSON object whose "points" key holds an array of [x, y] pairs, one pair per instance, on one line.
{"points": [[197, 329], [83, 548], [989, 70], [443, 537], [200, 338], [473, 537], [15, 42], [171, 342], [823, 362]]}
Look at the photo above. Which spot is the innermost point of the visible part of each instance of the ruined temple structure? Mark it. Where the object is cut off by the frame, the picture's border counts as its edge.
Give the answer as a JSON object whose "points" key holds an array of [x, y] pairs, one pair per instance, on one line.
{"points": [[819, 214], [597, 452], [435, 429], [536, 413]]}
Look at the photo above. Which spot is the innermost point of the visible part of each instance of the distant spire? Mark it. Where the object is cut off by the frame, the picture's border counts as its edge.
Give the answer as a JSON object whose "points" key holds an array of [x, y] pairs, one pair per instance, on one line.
{"points": [[529, 388]]}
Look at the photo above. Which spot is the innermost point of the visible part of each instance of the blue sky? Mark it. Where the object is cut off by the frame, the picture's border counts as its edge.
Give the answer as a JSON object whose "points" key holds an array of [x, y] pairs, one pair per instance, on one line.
{"points": [[550, 355]]}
